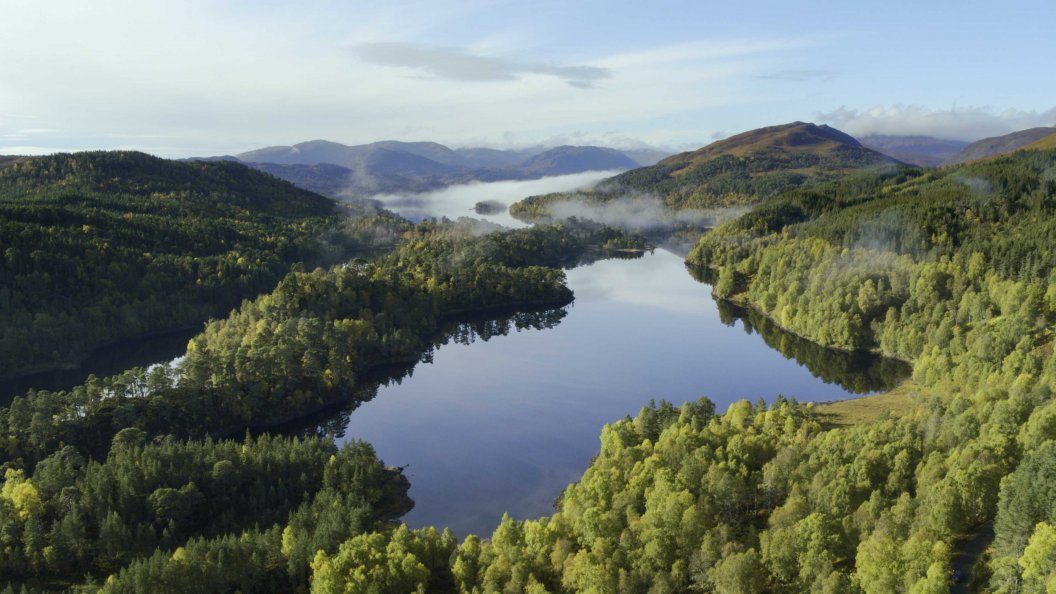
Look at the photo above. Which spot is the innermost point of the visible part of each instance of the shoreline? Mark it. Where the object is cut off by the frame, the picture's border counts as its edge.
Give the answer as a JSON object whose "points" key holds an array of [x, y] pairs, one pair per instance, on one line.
{"points": [[79, 366], [746, 304]]}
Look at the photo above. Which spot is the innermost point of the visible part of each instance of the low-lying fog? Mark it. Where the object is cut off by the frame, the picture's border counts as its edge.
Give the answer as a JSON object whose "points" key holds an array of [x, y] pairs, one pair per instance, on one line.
{"points": [[458, 201]]}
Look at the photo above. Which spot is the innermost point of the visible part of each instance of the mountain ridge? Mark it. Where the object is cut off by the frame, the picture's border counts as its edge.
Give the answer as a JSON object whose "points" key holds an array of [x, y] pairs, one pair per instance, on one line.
{"points": [[390, 166], [999, 145], [741, 170], [1047, 143], [925, 151], [798, 148]]}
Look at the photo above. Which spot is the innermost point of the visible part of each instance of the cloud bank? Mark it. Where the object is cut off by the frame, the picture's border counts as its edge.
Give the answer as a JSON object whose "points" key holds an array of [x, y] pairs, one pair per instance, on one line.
{"points": [[957, 123]]}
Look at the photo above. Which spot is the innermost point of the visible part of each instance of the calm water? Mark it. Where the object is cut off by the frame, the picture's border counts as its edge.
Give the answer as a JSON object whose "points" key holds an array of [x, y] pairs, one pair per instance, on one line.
{"points": [[504, 425]]}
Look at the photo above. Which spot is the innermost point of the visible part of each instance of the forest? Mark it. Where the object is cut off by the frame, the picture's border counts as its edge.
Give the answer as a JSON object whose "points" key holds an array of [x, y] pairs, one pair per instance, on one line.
{"points": [[102, 246], [123, 475], [947, 269], [140, 483]]}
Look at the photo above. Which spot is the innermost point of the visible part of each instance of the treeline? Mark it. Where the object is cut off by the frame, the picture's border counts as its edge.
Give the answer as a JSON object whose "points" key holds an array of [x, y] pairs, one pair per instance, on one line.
{"points": [[100, 480], [856, 371], [928, 266], [759, 499], [923, 265], [732, 180], [308, 343], [100, 246], [951, 269], [281, 499]]}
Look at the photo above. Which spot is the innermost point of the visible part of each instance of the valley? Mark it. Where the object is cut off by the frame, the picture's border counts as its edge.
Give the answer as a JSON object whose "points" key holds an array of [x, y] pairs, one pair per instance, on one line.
{"points": [[861, 346]]}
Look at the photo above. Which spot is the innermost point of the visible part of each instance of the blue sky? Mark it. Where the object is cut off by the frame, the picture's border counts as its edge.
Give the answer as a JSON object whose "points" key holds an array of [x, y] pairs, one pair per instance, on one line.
{"points": [[202, 77]]}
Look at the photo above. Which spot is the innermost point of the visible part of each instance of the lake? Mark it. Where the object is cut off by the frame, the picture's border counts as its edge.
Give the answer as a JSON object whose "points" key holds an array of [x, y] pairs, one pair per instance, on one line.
{"points": [[504, 425], [458, 201]]}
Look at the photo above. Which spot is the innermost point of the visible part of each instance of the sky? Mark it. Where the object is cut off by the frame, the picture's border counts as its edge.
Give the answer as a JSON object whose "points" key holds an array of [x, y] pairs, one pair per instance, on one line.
{"points": [[212, 77]]}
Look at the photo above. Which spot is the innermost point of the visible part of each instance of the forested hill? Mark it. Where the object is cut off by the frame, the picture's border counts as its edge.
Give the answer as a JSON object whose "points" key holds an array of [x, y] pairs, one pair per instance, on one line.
{"points": [[218, 188], [100, 246], [953, 270], [741, 170], [101, 480]]}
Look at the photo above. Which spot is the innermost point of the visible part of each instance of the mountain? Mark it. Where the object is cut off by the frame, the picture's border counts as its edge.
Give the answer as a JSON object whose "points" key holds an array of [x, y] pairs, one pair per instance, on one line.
{"points": [[998, 145], [797, 137], [346, 184], [565, 160], [753, 165], [1047, 143], [305, 153], [740, 170], [645, 157], [379, 153], [488, 158], [925, 151], [390, 166]]}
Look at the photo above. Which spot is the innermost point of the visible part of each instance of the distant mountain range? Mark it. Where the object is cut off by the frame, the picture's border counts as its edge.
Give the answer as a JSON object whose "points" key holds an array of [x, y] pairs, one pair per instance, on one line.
{"points": [[924, 151], [751, 167], [359, 171], [989, 147]]}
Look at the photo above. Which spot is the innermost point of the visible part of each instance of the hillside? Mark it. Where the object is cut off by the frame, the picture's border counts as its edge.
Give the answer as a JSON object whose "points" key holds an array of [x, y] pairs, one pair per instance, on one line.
{"points": [[999, 145], [346, 184], [740, 170], [564, 160], [305, 153], [102, 246], [1047, 143], [955, 277], [753, 166], [924, 151]]}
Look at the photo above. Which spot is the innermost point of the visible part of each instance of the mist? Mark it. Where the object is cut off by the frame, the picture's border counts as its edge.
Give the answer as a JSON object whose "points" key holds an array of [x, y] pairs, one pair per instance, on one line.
{"points": [[456, 202], [642, 213]]}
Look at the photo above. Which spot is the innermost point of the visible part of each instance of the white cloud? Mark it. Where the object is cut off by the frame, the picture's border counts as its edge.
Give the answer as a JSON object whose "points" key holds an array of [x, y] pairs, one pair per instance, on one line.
{"points": [[703, 51], [958, 123], [464, 65]]}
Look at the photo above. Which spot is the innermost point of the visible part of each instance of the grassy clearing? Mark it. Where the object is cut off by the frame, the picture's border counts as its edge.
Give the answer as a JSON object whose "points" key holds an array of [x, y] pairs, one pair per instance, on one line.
{"points": [[843, 413]]}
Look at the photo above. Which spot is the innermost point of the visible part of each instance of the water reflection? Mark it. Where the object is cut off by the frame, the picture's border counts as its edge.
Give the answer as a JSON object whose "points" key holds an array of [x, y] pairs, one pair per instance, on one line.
{"points": [[504, 425], [106, 361], [857, 372], [333, 420]]}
